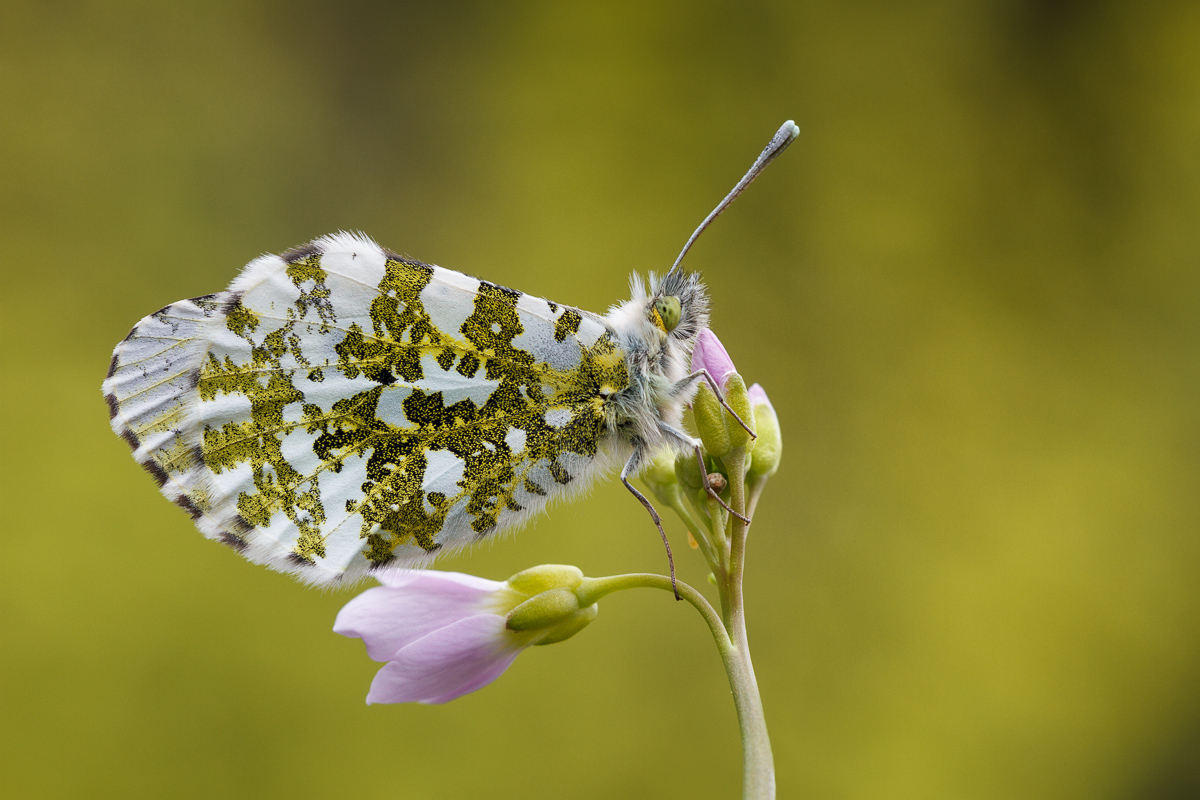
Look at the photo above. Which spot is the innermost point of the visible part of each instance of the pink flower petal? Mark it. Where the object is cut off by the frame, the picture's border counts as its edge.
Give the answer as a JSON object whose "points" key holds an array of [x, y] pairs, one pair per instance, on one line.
{"points": [[709, 354], [398, 578], [758, 396], [448, 663], [414, 605]]}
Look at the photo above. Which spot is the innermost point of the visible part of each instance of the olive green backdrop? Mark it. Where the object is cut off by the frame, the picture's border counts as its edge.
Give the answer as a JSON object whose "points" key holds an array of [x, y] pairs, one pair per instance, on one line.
{"points": [[971, 289]]}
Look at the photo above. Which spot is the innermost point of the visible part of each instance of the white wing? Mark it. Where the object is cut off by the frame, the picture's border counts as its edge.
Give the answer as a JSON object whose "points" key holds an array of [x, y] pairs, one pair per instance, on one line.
{"points": [[340, 408]]}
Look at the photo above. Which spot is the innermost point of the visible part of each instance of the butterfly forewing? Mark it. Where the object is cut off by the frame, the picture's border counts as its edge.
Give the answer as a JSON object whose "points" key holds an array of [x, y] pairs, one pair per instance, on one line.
{"points": [[340, 407]]}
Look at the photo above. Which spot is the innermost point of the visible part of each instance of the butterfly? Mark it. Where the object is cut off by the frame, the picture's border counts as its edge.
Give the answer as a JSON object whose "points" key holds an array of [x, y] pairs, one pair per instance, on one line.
{"points": [[340, 408]]}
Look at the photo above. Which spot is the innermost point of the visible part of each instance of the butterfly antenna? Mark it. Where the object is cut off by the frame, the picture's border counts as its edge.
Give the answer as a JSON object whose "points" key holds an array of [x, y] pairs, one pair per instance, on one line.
{"points": [[779, 142]]}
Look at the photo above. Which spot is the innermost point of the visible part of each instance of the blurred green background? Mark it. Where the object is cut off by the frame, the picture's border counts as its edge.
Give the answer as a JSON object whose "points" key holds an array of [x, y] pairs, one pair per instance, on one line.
{"points": [[971, 289]]}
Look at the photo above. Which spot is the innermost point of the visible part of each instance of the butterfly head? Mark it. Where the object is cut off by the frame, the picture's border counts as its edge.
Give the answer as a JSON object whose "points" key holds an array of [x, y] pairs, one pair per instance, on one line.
{"points": [[677, 305], [664, 315]]}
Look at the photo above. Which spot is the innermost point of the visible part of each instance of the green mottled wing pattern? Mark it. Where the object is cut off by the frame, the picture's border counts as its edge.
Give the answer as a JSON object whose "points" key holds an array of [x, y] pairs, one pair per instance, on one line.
{"points": [[340, 408]]}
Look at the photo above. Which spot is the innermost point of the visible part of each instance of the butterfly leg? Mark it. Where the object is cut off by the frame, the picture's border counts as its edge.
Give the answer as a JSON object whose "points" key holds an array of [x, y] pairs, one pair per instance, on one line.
{"points": [[694, 445], [631, 465], [687, 383]]}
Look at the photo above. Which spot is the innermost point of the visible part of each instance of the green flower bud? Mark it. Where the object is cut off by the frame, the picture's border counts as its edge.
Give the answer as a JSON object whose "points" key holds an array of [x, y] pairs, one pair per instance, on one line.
{"points": [[719, 429], [536, 580], [660, 476], [710, 422], [688, 471]]}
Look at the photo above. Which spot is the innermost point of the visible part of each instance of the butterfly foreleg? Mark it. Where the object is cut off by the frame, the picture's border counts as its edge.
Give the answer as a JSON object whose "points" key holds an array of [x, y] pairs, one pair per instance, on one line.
{"points": [[635, 461], [693, 444], [685, 386]]}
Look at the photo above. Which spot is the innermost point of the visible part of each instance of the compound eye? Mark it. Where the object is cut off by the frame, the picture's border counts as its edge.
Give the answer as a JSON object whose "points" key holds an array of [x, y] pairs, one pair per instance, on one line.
{"points": [[666, 313]]}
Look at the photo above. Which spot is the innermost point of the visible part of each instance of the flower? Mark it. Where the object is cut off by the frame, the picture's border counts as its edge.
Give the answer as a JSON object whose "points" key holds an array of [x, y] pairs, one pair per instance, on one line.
{"points": [[446, 634], [708, 353], [758, 397], [720, 433], [769, 445]]}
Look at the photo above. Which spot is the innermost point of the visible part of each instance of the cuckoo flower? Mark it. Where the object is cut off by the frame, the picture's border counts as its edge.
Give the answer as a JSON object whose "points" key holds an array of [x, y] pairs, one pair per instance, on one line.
{"points": [[720, 432], [445, 634], [709, 354], [758, 397], [769, 445]]}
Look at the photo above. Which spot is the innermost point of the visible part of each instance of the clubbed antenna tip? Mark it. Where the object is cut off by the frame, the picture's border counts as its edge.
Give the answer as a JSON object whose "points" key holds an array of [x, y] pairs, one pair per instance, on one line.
{"points": [[786, 134]]}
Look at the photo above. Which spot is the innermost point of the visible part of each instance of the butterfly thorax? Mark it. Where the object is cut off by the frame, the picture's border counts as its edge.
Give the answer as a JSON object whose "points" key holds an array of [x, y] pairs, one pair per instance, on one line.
{"points": [[657, 358]]}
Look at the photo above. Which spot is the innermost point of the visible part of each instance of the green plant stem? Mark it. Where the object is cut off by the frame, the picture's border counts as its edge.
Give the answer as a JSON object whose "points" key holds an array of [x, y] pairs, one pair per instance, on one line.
{"points": [[592, 589], [758, 776]]}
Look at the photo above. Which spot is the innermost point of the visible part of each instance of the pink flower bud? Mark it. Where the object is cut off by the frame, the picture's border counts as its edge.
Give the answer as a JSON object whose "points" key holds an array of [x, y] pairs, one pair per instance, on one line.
{"points": [[768, 448], [758, 397], [710, 354]]}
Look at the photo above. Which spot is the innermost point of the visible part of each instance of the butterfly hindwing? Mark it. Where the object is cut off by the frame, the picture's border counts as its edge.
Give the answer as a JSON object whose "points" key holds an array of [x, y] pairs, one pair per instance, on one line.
{"points": [[340, 407]]}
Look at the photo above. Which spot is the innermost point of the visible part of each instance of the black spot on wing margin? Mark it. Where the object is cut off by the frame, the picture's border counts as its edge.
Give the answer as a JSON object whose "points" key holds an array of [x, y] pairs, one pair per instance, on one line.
{"points": [[185, 502], [300, 252], [229, 540]]}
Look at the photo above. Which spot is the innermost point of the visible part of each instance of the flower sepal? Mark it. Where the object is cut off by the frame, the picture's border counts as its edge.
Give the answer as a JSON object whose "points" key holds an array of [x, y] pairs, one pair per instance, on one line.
{"points": [[544, 610], [710, 422], [570, 626], [738, 399], [544, 577]]}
